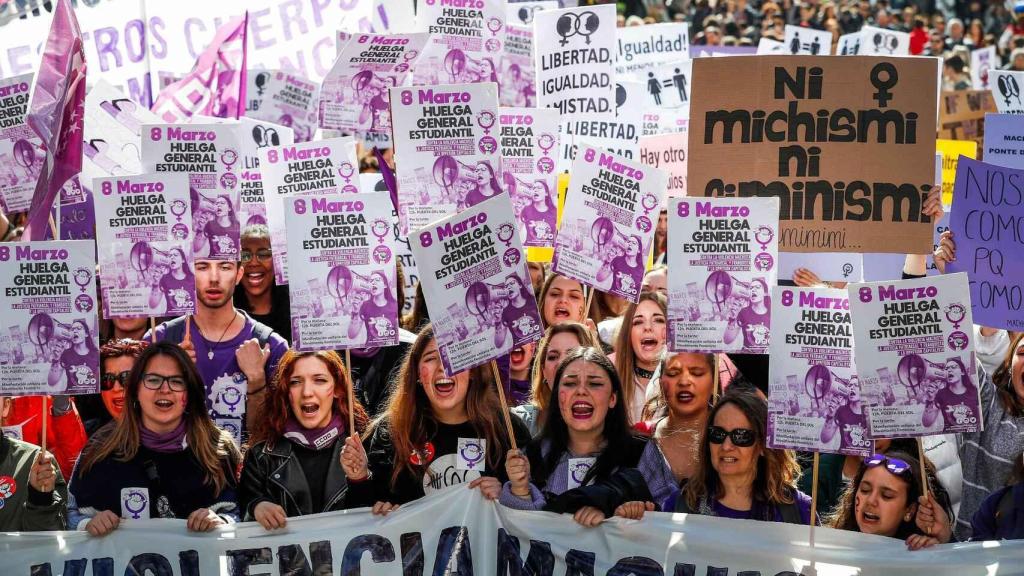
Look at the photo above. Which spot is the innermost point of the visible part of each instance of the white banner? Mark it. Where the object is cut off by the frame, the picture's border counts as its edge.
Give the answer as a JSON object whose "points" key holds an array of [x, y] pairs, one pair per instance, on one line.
{"points": [[575, 52], [458, 532]]}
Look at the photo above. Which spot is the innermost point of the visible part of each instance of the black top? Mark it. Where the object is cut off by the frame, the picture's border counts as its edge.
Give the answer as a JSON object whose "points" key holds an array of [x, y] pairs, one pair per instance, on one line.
{"points": [[279, 318], [372, 376], [315, 463]]}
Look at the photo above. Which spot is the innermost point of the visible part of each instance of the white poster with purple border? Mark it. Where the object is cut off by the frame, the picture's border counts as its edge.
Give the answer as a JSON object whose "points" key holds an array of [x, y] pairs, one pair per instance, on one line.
{"points": [[478, 291], [446, 149], [529, 140], [468, 37], [287, 99], [723, 259], [144, 239], [355, 96], [322, 167], [608, 220], [575, 61], [915, 356], [21, 153], [342, 268], [210, 155], [50, 342], [814, 400]]}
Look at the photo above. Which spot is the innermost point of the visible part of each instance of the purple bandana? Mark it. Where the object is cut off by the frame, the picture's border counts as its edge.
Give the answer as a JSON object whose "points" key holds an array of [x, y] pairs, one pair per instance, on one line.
{"points": [[315, 438], [173, 441]]}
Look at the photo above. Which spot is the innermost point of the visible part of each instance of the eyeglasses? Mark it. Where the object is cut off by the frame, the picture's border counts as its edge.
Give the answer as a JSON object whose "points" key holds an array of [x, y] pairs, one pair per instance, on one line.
{"points": [[741, 437], [156, 382], [108, 379], [894, 465], [263, 255]]}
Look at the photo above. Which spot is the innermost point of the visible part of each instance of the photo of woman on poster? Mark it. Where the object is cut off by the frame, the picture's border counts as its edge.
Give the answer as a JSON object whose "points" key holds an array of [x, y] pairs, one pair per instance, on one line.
{"points": [[520, 316], [484, 183], [540, 214], [75, 365], [846, 415], [955, 397], [625, 270], [369, 91], [753, 320], [217, 228], [175, 286], [380, 310], [350, 291]]}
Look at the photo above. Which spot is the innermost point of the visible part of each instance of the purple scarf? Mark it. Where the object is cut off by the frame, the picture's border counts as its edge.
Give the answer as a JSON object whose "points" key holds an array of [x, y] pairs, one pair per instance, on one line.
{"points": [[315, 438], [173, 441]]}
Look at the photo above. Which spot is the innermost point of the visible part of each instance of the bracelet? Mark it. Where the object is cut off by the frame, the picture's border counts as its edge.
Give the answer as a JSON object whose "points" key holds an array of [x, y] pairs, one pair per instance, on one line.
{"points": [[526, 495]]}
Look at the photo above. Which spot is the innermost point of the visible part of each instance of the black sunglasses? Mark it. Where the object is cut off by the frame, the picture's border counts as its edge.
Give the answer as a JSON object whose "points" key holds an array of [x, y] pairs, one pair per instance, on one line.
{"points": [[741, 437], [108, 379]]}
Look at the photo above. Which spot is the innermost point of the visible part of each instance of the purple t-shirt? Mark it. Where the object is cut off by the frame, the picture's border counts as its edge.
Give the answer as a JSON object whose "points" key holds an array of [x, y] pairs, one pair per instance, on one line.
{"points": [[755, 327], [540, 226], [379, 321], [517, 392], [958, 409], [803, 503], [523, 321], [223, 240], [178, 293], [79, 371], [226, 385], [625, 277], [852, 429]]}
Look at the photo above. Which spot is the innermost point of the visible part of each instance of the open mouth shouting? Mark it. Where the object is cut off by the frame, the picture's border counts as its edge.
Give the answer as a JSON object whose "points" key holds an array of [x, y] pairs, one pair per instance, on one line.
{"points": [[309, 409], [517, 356], [444, 387], [582, 410], [255, 279], [562, 312], [650, 344], [162, 403], [684, 397]]}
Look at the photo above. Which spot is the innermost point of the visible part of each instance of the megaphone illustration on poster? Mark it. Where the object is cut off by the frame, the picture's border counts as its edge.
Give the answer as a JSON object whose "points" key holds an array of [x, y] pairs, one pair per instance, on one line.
{"points": [[42, 328], [342, 281], [820, 381], [720, 286], [606, 238], [201, 203], [480, 295], [143, 256], [914, 371]]}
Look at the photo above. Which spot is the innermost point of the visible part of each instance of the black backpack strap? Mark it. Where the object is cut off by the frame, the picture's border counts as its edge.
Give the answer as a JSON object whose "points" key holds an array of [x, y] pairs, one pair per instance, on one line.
{"points": [[681, 505], [261, 332]]}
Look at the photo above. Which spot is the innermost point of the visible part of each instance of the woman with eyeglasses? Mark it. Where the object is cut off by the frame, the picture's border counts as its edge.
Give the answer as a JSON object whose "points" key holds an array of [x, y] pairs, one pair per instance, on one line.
{"points": [[261, 296], [164, 458], [558, 340], [585, 460], [737, 475], [884, 498]]}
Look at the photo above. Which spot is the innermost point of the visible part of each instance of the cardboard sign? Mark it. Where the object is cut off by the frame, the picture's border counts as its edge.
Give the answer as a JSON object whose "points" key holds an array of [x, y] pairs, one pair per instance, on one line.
{"points": [[21, 153], [466, 43], [643, 48], [529, 137], [1004, 140], [51, 341], [667, 152], [951, 151], [815, 402], [342, 271], [478, 291], [828, 267], [983, 60], [987, 207], [575, 50], [844, 184], [608, 228], [518, 80], [962, 114], [446, 149], [722, 260], [1005, 88], [807, 41]]}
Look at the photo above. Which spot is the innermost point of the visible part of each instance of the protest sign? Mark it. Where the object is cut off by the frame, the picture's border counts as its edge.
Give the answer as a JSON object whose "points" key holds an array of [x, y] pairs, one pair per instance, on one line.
{"points": [[374, 182], [915, 356], [76, 212], [643, 48], [673, 121], [518, 79], [466, 43], [815, 401], [354, 96], [48, 296], [883, 42], [828, 267], [286, 100], [575, 67], [1004, 140], [608, 229], [528, 138], [21, 154], [113, 133], [341, 271], [1005, 89], [851, 167], [987, 215], [209, 154], [446, 155], [460, 532], [478, 291], [256, 135], [619, 135], [807, 41], [769, 46], [983, 60], [722, 259], [667, 152], [145, 245], [705, 51], [521, 13], [848, 45], [668, 85], [951, 151], [962, 114], [321, 167]]}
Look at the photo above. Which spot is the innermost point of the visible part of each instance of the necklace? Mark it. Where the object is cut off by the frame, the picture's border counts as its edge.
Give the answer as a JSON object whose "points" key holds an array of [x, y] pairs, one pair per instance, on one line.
{"points": [[213, 348], [641, 373]]}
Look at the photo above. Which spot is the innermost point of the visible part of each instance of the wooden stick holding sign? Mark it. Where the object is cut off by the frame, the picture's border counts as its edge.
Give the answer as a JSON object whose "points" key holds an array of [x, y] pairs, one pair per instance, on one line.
{"points": [[814, 494], [45, 413], [924, 471], [350, 393], [504, 405], [152, 330]]}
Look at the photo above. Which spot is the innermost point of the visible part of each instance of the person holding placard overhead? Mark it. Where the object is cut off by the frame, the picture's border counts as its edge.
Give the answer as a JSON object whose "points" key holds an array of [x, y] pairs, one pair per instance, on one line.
{"points": [[585, 460], [437, 431], [304, 459], [638, 349]]}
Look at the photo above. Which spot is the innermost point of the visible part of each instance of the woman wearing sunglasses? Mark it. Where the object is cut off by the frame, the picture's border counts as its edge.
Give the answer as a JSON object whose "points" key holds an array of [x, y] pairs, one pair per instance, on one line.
{"points": [[116, 361], [164, 458], [584, 458], [884, 498], [737, 475]]}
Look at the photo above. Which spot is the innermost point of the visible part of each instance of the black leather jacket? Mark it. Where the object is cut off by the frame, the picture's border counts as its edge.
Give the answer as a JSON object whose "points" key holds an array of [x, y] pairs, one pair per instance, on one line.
{"points": [[274, 474]]}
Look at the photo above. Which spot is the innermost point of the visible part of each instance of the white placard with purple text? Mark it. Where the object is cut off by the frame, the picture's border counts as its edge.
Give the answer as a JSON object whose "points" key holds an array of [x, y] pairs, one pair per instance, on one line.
{"points": [[608, 220], [723, 256], [478, 291], [518, 78], [915, 356], [286, 99], [210, 154], [342, 271], [50, 342], [467, 41], [575, 51], [354, 96], [21, 156], [446, 149], [144, 239], [814, 400], [321, 167], [529, 141]]}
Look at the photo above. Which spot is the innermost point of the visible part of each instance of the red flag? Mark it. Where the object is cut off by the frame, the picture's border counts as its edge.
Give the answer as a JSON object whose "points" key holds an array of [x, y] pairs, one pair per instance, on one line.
{"points": [[216, 84], [56, 114]]}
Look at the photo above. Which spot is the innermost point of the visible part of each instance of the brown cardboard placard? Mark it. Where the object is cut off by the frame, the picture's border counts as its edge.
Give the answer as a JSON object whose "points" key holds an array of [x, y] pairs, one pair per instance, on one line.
{"points": [[962, 115]]}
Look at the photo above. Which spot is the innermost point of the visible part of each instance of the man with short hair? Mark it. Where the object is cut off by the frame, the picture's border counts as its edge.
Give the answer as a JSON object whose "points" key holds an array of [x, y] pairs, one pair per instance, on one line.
{"points": [[33, 495]]}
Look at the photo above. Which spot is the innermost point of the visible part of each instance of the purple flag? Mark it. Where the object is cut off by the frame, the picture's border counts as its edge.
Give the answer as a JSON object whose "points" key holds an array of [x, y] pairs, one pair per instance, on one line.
{"points": [[56, 114], [388, 175], [216, 84]]}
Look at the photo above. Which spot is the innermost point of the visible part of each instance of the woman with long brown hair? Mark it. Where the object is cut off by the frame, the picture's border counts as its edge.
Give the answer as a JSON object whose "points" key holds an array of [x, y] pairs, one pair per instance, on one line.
{"points": [[164, 458], [638, 349], [304, 458], [562, 300], [558, 340], [438, 431]]}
